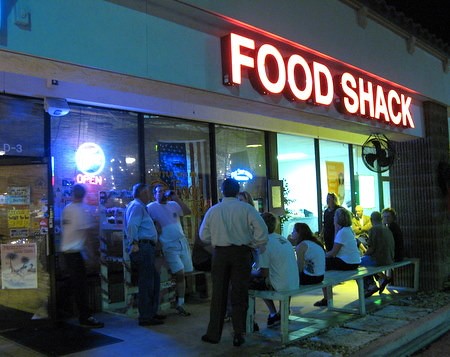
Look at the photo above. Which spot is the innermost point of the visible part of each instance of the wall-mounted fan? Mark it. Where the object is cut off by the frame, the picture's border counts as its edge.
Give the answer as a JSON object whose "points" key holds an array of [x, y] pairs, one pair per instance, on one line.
{"points": [[378, 154]]}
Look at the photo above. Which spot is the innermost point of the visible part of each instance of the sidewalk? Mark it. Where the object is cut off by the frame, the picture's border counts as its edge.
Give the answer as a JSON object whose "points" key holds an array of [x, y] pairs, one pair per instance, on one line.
{"points": [[332, 333]]}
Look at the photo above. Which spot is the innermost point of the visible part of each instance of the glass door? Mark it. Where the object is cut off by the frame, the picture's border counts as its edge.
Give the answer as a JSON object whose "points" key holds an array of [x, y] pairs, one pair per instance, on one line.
{"points": [[24, 222]]}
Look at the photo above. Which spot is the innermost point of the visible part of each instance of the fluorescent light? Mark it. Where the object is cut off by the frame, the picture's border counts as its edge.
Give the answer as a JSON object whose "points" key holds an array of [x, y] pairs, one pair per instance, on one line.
{"points": [[292, 156]]}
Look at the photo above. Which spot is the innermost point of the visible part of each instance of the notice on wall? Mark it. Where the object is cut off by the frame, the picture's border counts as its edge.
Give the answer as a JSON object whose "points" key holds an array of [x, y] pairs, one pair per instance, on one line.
{"points": [[18, 218], [18, 195], [19, 266], [335, 179]]}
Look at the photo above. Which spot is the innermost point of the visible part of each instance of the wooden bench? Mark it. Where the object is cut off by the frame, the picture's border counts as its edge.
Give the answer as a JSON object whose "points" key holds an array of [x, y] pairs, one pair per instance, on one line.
{"points": [[332, 277]]}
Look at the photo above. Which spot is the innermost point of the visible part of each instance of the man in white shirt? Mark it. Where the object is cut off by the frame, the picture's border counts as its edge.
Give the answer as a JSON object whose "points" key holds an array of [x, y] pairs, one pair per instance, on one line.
{"points": [[278, 269], [75, 225], [166, 211], [233, 228]]}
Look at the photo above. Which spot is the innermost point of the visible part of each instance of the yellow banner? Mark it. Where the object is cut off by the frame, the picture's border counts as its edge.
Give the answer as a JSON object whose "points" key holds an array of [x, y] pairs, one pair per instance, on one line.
{"points": [[335, 179]]}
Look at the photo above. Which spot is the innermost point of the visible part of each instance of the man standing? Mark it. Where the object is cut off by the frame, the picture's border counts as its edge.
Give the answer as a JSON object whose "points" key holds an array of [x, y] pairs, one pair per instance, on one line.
{"points": [[142, 237], [75, 224], [328, 232], [233, 228], [380, 252], [166, 212]]}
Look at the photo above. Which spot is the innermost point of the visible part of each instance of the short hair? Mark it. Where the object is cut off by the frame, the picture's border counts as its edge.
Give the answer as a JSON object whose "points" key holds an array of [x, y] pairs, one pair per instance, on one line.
{"points": [[270, 220], [78, 191], [391, 211], [375, 217], [343, 217], [138, 188], [230, 187], [157, 186], [247, 197], [335, 198]]}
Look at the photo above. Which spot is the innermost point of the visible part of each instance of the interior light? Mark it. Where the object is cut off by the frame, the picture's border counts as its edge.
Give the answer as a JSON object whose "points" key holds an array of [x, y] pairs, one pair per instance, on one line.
{"points": [[130, 160], [292, 156], [253, 145]]}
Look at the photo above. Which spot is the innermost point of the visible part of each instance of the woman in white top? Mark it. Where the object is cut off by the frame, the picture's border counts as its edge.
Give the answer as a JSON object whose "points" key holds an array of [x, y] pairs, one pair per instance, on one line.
{"points": [[345, 254], [310, 255]]}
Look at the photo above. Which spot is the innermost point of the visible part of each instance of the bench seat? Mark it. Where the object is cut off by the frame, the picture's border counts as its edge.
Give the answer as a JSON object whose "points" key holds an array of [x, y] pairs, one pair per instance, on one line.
{"points": [[332, 277]]}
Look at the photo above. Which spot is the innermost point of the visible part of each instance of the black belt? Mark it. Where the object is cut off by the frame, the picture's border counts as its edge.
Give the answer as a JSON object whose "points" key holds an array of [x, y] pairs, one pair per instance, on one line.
{"points": [[147, 241]]}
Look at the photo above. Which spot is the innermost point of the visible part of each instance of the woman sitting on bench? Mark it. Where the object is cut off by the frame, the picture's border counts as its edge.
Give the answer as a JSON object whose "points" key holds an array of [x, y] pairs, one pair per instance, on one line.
{"points": [[310, 255], [345, 254]]}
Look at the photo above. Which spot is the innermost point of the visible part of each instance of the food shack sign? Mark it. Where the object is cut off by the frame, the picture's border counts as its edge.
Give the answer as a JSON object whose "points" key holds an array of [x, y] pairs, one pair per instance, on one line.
{"points": [[303, 79]]}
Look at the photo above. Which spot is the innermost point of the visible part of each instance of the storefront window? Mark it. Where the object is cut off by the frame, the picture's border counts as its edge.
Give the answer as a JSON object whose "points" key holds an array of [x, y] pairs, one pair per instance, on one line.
{"points": [[24, 219], [297, 168], [22, 124], [240, 154], [367, 192], [177, 155], [98, 148], [335, 172]]}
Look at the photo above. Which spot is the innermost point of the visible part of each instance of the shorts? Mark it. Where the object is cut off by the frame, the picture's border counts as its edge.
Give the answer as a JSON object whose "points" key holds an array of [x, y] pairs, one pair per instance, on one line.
{"points": [[178, 256]]}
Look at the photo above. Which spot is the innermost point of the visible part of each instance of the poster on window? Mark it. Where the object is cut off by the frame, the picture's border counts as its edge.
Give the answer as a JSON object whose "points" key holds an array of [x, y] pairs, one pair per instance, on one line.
{"points": [[18, 195], [335, 179], [19, 266], [18, 218]]}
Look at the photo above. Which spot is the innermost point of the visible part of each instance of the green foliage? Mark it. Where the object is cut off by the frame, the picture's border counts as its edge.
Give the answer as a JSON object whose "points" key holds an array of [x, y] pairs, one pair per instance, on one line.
{"points": [[286, 202]]}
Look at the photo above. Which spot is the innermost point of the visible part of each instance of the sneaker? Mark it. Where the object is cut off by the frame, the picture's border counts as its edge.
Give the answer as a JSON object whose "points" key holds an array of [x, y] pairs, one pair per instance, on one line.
{"points": [[181, 311], [320, 303], [273, 320], [370, 291], [384, 283], [92, 322]]}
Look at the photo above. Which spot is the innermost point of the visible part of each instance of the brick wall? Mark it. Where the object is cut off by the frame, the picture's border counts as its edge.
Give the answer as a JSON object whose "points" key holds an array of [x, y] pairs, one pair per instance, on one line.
{"points": [[421, 205]]}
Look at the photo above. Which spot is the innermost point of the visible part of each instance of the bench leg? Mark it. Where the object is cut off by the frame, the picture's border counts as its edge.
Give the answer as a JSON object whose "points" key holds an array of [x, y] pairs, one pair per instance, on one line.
{"points": [[361, 297], [284, 314], [329, 290], [250, 314], [416, 276]]}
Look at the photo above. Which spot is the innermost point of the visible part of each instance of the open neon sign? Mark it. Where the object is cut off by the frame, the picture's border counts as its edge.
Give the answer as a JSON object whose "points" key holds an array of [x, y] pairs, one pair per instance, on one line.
{"points": [[311, 81], [90, 160]]}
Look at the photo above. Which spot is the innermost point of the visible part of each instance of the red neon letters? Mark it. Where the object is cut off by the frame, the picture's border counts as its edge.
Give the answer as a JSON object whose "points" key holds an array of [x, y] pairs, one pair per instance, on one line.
{"points": [[305, 81]]}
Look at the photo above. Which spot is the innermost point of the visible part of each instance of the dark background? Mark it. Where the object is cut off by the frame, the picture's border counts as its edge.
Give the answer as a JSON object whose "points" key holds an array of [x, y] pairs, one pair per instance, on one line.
{"points": [[433, 15]]}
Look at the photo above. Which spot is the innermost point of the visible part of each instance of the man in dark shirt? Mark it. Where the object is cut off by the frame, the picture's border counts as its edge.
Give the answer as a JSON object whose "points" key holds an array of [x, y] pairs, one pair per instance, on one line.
{"points": [[390, 219]]}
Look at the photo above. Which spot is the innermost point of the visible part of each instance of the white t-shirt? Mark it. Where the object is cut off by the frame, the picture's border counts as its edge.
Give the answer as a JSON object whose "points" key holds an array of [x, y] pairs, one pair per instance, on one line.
{"points": [[75, 221], [279, 258], [349, 251], [314, 259], [168, 216]]}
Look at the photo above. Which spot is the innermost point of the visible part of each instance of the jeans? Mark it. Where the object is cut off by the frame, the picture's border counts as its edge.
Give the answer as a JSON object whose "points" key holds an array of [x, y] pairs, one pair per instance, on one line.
{"points": [[148, 281]]}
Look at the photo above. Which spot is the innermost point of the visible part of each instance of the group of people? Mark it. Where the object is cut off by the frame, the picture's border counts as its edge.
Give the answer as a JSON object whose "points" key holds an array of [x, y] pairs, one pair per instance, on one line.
{"points": [[150, 228], [240, 242], [378, 237]]}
